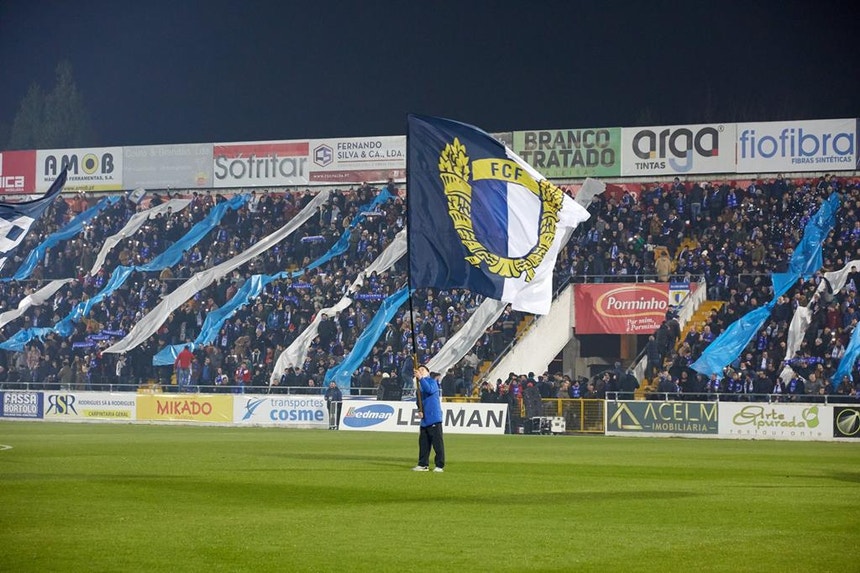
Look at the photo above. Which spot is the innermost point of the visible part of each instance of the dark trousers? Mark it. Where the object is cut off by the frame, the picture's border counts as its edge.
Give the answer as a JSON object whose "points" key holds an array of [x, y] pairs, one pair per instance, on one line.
{"points": [[431, 436]]}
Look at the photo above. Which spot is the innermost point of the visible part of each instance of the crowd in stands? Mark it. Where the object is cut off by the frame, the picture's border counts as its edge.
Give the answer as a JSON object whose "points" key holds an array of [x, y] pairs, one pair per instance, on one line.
{"points": [[734, 235], [246, 347]]}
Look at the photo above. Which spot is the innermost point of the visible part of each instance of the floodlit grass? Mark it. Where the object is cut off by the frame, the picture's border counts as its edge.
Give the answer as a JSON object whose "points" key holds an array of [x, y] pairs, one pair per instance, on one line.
{"points": [[81, 497]]}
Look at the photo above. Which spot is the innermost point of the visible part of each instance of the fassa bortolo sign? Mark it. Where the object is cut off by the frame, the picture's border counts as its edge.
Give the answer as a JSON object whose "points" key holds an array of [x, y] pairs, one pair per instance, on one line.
{"points": [[678, 149], [620, 308], [260, 164]]}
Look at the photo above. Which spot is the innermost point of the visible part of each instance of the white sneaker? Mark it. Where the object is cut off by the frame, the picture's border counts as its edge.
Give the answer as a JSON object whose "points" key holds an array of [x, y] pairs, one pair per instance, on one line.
{"points": [[420, 469], [438, 470]]}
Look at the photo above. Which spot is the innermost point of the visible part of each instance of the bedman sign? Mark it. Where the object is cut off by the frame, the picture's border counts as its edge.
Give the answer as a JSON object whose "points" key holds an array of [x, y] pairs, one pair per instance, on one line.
{"points": [[620, 308]]}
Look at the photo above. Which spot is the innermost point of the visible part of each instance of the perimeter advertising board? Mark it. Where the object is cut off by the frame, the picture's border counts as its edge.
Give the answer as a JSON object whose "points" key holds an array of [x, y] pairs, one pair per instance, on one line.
{"points": [[779, 146], [358, 159], [185, 408], [846, 422], [92, 169], [620, 308], [89, 406], [260, 164], [25, 405], [562, 153], [17, 172], [678, 149], [658, 417], [458, 418], [289, 411], [805, 422], [167, 166]]}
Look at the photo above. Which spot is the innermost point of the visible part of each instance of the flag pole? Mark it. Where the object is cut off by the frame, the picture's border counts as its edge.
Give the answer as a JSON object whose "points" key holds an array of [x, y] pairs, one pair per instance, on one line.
{"points": [[419, 402]]}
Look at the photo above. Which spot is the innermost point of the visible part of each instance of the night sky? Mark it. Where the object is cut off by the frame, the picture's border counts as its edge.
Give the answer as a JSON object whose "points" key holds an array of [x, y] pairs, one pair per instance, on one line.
{"points": [[176, 72]]}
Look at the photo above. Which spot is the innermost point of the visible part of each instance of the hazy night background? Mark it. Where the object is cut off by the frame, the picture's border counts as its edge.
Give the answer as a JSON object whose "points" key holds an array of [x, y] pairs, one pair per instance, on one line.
{"points": [[176, 72]]}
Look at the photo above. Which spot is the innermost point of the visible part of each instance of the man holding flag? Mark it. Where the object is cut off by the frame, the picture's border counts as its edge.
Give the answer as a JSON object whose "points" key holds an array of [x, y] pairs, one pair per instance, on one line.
{"points": [[430, 412]]}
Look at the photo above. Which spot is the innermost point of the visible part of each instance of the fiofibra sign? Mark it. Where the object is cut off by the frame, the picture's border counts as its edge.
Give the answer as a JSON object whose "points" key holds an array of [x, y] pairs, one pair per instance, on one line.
{"points": [[458, 418]]}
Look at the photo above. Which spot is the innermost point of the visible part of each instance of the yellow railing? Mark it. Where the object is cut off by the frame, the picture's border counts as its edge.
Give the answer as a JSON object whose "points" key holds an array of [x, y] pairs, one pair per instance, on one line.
{"points": [[580, 415]]}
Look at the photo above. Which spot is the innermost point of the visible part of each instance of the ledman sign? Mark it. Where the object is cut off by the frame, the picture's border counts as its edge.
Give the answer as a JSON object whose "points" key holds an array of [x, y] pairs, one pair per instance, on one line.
{"points": [[459, 418]]}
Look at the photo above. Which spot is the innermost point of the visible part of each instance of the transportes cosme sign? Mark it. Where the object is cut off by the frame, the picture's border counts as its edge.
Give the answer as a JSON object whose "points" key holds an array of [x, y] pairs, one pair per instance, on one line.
{"points": [[291, 411], [678, 149], [260, 164], [779, 146]]}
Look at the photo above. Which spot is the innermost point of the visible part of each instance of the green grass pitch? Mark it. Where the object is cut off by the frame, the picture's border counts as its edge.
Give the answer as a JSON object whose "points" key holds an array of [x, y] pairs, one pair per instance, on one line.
{"points": [[99, 497]]}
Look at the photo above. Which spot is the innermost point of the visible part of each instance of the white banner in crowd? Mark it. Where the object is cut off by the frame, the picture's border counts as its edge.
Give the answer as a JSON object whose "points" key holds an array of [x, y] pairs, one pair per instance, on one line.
{"points": [[147, 325], [790, 146], [35, 299], [678, 149], [134, 224], [358, 159], [458, 417], [93, 169], [296, 353]]}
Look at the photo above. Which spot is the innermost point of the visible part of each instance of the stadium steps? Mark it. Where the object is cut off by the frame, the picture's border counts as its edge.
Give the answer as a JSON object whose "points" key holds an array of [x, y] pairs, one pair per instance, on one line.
{"points": [[699, 318]]}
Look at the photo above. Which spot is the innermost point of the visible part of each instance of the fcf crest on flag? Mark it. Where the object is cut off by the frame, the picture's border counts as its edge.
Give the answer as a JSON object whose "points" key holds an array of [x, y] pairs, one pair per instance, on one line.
{"points": [[480, 217]]}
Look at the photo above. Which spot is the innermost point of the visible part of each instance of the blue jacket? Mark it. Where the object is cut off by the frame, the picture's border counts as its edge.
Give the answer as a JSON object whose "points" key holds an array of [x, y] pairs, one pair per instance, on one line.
{"points": [[432, 400]]}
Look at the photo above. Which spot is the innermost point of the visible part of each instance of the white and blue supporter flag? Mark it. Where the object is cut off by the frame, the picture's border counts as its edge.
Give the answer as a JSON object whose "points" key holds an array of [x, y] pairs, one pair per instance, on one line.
{"points": [[480, 217]]}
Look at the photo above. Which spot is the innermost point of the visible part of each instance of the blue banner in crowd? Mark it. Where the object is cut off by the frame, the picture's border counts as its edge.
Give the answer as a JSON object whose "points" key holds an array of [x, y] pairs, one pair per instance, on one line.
{"points": [[69, 230], [168, 258], [731, 342], [852, 352], [254, 286], [342, 373], [805, 262]]}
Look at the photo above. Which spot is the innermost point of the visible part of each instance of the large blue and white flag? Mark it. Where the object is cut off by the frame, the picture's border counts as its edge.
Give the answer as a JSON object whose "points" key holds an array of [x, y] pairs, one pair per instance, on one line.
{"points": [[480, 217], [16, 218]]}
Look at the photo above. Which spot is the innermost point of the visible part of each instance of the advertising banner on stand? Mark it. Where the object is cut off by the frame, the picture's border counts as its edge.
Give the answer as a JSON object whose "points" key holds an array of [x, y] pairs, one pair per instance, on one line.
{"points": [[260, 164], [185, 408], [678, 149], [571, 153], [17, 172], [15, 404], [658, 417], [288, 411], [620, 308], [458, 418], [759, 421], [846, 422], [90, 406], [789, 146], [93, 169], [167, 166], [358, 159]]}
